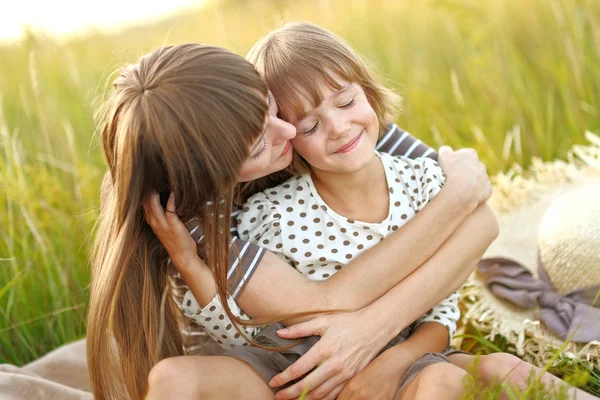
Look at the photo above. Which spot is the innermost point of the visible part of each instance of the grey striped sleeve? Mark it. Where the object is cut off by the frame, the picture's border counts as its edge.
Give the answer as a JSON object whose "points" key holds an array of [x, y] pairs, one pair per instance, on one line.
{"points": [[400, 143], [244, 257]]}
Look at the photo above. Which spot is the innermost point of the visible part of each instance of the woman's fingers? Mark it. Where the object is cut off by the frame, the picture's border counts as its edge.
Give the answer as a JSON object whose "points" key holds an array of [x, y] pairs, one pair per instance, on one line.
{"points": [[312, 327], [311, 382], [298, 369], [335, 392], [328, 389], [444, 149], [153, 211], [469, 152], [171, 210]]}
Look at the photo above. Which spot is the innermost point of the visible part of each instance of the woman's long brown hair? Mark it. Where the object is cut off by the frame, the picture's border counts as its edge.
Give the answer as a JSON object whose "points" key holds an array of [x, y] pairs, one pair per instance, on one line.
{"points": [[181, 119]]}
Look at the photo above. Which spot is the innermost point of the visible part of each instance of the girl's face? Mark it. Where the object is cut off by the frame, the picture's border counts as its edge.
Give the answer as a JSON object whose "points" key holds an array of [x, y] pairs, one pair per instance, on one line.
{"points": [[341, 133], [273, 150]]}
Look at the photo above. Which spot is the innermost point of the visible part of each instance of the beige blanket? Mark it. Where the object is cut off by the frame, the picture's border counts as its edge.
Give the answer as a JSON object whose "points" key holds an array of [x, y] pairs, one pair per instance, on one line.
{"points": [[61, 374]]}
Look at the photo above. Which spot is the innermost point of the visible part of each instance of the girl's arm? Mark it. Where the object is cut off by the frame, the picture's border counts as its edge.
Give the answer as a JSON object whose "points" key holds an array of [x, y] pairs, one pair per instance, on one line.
{"points": [[382, 377]]}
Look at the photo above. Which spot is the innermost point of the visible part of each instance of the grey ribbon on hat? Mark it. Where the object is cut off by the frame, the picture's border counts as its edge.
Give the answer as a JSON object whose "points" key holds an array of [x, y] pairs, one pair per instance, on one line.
{"points": [[572, 315]]}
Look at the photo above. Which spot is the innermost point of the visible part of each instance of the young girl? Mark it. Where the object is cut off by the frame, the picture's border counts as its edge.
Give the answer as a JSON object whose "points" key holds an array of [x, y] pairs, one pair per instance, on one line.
{"points": [[347, 199]]}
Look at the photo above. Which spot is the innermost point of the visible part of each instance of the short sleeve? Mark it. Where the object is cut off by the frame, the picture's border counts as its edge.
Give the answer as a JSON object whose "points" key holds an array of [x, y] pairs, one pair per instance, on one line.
{"points": [[259, 222], [244, 257], [446, 313], [424, 179], [215, 322]]}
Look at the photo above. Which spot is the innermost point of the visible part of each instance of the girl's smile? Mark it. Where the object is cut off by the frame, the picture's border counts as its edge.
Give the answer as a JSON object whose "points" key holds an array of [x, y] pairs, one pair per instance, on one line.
{"points": [[348, 147]]}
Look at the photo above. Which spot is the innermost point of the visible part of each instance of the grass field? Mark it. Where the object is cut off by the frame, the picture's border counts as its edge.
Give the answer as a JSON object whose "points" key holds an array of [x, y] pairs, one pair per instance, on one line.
{"points": [[512, 79]]}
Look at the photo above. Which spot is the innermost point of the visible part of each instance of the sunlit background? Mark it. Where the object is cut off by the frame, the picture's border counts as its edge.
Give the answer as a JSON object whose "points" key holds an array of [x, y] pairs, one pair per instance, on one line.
{"points": [[515, 79], [65, 19]]}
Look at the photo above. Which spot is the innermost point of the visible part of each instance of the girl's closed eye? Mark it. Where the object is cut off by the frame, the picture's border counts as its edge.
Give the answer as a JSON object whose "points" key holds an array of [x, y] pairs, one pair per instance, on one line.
{"points": [[348, 103]]}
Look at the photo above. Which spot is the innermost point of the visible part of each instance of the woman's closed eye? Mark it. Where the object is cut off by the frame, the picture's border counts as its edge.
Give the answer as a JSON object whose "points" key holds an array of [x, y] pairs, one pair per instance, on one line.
{"points": [[262, 150]]}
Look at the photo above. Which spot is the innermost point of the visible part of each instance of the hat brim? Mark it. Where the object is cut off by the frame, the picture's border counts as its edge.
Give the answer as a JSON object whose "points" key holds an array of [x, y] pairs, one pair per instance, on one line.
{"points": [[520, 200]]}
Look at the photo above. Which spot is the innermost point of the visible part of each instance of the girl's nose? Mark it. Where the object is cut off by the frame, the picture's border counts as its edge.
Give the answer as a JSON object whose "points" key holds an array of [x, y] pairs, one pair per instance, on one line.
{"points": [[338, 126]]}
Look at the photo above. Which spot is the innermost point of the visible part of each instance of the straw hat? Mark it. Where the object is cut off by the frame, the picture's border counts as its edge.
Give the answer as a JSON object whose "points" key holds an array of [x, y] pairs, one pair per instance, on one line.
{"points": [[538, 283]]}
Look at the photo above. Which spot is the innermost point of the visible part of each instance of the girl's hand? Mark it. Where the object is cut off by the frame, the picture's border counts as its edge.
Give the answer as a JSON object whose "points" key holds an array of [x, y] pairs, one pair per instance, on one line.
{"points": [[381, 379], [171, 232], [348, 343], [466, 174]]}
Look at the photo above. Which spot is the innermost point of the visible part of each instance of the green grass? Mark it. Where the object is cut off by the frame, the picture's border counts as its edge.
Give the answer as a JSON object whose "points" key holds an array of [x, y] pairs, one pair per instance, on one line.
{"points": [[513, 79]]}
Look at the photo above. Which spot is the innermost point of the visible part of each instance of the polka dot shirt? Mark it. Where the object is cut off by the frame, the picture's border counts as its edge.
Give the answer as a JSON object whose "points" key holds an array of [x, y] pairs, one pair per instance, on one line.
{"points": [[293, 221]]}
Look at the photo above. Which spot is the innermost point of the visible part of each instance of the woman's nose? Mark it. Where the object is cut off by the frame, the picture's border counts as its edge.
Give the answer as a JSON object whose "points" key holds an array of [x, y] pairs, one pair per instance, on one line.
{"points": [[285, 130]]}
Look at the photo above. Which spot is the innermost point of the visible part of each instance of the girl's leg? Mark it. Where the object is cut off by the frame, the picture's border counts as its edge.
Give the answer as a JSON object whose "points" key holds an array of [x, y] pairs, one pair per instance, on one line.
{"points": [[209, 377], [497, 367], [437, 381]]}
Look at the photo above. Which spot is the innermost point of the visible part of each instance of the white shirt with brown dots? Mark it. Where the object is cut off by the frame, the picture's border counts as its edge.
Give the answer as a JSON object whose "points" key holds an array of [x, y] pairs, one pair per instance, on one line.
{"points": [[293, 221]]}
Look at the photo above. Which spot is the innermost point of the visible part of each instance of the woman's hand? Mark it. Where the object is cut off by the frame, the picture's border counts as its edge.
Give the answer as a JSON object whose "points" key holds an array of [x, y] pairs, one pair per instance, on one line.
{"points": [[171, 232], [466, 174], [181, 247], [348, 343]]}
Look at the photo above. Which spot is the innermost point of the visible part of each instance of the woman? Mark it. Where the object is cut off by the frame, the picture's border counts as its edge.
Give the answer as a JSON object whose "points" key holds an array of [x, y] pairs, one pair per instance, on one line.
{"points": [[189, 119]]}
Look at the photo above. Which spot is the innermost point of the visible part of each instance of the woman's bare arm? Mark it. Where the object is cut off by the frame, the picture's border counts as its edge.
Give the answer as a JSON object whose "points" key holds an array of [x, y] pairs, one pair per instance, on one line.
{"points": [[269, 292], [362, 281], [276, 288], [280, 290]]}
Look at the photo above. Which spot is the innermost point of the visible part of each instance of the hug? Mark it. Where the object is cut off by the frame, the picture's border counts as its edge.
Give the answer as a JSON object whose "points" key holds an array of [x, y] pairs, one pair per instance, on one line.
{"points": [[267, 231]]}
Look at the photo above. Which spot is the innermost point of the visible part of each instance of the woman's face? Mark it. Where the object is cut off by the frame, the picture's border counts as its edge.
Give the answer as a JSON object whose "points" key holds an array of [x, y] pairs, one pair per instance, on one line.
{"points": [[273, 150]]}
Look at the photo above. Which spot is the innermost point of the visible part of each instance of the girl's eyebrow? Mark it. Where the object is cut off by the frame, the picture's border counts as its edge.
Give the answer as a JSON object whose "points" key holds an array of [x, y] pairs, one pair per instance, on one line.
{"points": [[344, 88]]}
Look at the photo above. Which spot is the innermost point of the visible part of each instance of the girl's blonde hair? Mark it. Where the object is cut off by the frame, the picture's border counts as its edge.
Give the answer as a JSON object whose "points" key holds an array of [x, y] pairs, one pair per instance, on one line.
{"points": [[298, 58], [182, 119]]}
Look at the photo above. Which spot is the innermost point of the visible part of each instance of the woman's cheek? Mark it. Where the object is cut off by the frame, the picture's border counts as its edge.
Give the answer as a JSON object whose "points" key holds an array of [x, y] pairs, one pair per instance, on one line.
{"points": [[256, 169]]}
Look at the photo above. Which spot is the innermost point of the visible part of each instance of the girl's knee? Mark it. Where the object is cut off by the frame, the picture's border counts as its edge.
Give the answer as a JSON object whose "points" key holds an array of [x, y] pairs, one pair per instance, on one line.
{"points": [[172, 376], [196, 377], [500, 366], [164, 371], [443, 380]]}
